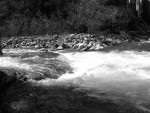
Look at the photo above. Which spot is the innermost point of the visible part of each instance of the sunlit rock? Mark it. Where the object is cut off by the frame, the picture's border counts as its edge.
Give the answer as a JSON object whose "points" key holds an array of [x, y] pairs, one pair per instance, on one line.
{"points": [[92, 47], [59, 48], [98, 47]]}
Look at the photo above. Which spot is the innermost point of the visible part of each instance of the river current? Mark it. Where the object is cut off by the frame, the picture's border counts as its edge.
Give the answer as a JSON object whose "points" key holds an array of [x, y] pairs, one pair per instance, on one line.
{"points": [[118, 76]]}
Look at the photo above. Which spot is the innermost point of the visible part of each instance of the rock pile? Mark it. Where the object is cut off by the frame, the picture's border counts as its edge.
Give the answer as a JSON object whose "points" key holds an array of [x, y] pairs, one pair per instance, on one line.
{"points": [[82, 42]]}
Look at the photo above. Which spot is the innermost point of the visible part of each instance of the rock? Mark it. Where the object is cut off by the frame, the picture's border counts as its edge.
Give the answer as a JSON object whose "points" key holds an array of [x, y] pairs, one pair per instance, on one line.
{"points": [[65, 46], [104, 45], [81, 46], [55, 37], [84, 49], [4, 45], [87, 47], [56, 45], [44, 50], [36, 46], [93, 47], [17, 45], [23, 43], [47, 45], [33, 43], [71, 35], [59, 48], [98, 47], [75, 46]]}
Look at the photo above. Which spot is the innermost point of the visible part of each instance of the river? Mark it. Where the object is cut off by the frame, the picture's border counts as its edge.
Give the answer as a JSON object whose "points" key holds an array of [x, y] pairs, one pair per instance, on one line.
{"points": [[100, 82]]}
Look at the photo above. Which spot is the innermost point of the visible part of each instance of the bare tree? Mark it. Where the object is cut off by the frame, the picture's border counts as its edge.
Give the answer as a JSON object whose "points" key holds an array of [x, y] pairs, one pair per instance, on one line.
{"points": [[139, 7]]}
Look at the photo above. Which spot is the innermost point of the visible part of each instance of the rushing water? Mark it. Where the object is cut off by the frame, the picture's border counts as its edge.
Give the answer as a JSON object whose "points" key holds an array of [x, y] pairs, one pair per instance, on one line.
{"points": [[125, 73]]}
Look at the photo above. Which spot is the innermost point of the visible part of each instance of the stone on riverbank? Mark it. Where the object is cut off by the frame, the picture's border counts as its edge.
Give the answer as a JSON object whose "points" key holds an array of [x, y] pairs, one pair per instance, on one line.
{"points": [[74, 41]]}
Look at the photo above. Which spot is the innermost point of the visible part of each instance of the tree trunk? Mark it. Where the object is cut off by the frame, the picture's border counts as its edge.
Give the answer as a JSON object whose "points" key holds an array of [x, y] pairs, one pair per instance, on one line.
{"points": [[1, 53], [139, 7]]}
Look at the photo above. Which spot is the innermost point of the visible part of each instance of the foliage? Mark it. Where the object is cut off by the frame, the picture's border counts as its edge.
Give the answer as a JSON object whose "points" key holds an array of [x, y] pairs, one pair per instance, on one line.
{"points": [[37, 17]]}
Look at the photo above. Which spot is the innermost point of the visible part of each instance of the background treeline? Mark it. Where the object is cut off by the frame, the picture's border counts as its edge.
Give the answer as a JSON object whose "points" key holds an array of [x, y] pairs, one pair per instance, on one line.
{"points": [[39, 17]]}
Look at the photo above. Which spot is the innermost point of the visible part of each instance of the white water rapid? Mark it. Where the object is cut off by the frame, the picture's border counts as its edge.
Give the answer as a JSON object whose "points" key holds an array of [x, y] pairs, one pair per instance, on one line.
{"points": [[111, 66], [126, 72], [120, 77]]}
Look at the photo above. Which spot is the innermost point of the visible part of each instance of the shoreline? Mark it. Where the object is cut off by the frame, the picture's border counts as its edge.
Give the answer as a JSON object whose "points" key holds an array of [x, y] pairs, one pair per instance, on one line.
{"points": [[75, 42]]}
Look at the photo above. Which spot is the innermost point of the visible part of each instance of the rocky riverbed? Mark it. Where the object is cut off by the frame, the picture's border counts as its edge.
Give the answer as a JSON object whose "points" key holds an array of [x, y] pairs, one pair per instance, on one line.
{"points": [[81, 42]]}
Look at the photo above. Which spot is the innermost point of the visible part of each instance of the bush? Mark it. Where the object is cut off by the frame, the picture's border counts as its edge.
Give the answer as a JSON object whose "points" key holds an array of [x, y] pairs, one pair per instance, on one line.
{"points": [[91, 16], [58, 16]]}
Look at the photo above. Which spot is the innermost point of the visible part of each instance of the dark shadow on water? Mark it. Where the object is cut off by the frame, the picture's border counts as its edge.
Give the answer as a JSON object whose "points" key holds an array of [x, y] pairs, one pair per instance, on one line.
{"points": [[27, 98]]}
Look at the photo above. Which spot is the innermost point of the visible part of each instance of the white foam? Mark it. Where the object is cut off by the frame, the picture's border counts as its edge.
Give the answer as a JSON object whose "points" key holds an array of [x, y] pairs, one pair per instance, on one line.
{"points": [[13, 63], [109, 66], [94, 67]]}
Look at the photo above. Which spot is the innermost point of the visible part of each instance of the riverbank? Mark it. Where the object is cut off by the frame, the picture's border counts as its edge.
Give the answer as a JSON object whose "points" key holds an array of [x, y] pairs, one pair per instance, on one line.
{"points": [[78, 42]]}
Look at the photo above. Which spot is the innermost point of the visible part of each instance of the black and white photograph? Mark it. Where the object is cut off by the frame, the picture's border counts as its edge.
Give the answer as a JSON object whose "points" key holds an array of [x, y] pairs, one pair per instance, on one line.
{"points": [[74, 56]]}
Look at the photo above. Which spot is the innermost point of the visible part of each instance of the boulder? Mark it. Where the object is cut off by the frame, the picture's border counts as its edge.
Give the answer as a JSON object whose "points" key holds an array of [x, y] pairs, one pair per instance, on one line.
{"points": [[59, 48]]}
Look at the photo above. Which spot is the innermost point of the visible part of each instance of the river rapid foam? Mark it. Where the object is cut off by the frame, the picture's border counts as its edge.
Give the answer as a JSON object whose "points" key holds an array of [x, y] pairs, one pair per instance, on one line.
{"points": [[126, 72]]}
